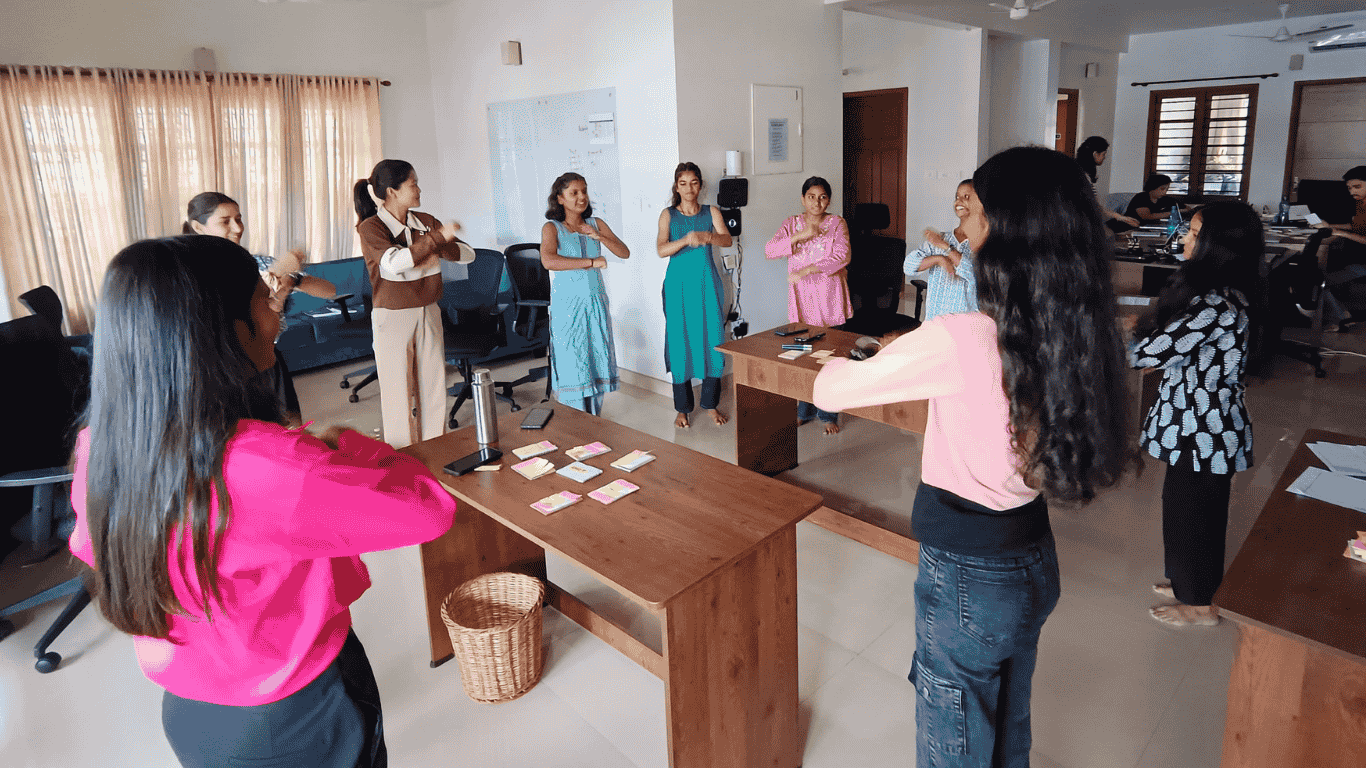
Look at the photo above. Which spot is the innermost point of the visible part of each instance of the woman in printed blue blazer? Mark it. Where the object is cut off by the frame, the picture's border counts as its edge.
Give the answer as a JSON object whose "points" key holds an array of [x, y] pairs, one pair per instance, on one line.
{"points": [[1201, 336]]}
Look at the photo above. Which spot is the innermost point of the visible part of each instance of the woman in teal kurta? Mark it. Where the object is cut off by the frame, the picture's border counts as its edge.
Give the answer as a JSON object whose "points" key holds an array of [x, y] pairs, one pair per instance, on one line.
{"points": [[694, 317], [583, 361]]}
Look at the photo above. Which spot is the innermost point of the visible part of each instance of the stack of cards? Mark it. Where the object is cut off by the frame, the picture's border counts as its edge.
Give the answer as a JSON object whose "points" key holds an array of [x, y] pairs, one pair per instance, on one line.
{"points": [[534, 468], [581, 452], [613, 491], [633, 461], [535, 449], [555, 502], [1356, 548], [578, 471], [792, 354]]}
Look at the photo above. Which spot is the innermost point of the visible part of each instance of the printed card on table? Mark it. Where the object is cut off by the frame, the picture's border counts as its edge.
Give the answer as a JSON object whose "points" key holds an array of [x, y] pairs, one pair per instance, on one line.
{"points": [[613, 491], [555, 502], [579, 472], [535, 449], [533, 468], [792, 354], [581, 452], [633, 461]]}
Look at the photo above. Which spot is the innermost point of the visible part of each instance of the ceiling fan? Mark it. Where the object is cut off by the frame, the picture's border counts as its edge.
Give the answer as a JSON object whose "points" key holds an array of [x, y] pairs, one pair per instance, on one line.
{"points": [[1021, 8], [1283, 35]]}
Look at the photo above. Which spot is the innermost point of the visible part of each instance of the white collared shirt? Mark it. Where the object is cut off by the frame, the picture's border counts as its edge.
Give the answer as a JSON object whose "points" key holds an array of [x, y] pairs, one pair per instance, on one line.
{"points": [[397, 263]]}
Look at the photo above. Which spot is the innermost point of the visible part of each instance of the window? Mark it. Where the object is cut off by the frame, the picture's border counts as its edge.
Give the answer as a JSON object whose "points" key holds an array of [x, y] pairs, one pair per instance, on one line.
{"points": [[1202, 138]]}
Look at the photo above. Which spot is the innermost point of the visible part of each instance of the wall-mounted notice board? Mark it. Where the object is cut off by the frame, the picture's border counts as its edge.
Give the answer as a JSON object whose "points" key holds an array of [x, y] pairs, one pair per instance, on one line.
{"points": [[777, 114], [532, 141]]}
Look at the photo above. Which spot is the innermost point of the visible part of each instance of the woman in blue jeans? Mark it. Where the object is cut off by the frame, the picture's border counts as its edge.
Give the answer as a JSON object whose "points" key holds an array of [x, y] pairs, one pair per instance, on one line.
{"points": [[1026, 403]]}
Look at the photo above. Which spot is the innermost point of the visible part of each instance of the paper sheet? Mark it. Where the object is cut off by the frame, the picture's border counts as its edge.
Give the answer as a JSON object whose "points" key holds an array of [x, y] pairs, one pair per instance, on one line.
{"points": [[1347, 459], [1332, 487]]}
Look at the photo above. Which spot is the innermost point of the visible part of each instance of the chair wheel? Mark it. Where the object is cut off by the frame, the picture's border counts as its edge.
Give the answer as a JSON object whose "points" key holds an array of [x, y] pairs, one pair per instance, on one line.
{"points": [[48, 662], [355, 398], [345, 384], [6, 628], [516, 407], [455, 423]]}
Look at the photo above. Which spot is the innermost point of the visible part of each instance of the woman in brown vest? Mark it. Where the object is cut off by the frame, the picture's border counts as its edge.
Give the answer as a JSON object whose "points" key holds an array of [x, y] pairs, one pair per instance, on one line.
{"points": [[401, 247]]}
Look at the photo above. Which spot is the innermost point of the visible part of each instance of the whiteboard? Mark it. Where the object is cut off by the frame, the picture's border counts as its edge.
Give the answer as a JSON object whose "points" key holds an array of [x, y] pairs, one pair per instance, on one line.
{"points": [[533, 141]]}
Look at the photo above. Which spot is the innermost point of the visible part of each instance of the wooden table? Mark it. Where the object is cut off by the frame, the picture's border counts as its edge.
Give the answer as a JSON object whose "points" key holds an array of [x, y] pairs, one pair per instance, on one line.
{"points": [[1297, 691], [708, 547], [766, 393]]}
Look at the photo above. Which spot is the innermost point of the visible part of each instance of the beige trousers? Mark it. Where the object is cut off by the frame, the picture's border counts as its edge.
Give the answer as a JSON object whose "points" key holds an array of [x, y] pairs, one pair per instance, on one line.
{"points": [[410, 357]]}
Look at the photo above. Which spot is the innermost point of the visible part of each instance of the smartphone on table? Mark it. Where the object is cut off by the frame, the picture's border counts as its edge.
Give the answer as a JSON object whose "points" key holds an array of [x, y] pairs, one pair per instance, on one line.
{"points": [[537, 418], [790, 331], [466, 464]]}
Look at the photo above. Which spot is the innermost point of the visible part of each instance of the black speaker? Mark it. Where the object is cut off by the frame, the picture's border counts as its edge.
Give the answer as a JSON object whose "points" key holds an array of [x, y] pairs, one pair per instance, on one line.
{"points": [[732, 193], [732, 217]]}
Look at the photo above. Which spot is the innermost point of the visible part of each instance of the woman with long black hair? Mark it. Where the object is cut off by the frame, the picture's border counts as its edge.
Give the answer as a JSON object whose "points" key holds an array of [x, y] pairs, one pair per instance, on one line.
{"points": [[1026, 406], [1202, 334], [226, 544], [1091, 156]]}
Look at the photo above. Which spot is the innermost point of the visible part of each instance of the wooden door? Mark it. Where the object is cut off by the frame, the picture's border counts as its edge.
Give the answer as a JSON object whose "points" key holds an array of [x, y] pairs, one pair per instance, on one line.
{"points": [[875, 154], [1065, 140]]}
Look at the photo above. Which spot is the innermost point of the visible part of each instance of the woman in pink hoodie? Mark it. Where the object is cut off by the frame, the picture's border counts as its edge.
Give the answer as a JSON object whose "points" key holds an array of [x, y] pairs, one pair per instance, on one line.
{"points": [[226, 544]]}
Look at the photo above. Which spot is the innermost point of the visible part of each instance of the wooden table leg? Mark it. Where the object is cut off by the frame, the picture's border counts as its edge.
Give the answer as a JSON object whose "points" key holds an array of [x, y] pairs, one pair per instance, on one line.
{"points": [[765, 430], [730, 648], [1290, 704], [475, 545]]}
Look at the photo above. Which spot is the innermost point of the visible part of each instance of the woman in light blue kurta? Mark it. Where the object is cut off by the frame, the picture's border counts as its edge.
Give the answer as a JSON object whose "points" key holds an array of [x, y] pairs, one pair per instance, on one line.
{"points": [[694, 317], [583, 362]]}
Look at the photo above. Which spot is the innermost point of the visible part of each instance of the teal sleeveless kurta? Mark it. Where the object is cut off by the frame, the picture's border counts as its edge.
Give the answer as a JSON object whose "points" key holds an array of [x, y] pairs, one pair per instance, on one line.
{"points": [[694, 320], [583, 360]]}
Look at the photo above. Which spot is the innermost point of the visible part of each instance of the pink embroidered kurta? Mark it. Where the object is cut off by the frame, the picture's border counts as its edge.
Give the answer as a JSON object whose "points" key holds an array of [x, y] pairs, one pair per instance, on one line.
{"points": [[821, 298]]}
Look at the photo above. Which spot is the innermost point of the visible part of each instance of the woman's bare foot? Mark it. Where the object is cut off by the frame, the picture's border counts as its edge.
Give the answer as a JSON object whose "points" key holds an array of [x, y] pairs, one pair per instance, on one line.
{"points": [[1164, 588], [832, 427], [681, 421], [717, 416], [1182, 615]]}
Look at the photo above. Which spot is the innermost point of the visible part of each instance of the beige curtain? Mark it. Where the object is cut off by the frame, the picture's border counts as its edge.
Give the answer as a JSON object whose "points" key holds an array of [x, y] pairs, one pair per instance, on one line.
{"points": [[93, 160]]}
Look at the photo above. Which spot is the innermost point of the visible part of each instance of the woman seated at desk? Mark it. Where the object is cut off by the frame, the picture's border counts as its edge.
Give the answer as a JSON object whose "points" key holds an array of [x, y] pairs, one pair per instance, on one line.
{"points": [[1153, 206]]}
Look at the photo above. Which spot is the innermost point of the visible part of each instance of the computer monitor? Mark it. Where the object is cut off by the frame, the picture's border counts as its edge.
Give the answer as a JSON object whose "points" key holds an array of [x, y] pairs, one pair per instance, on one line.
{"points": [[1328, 198]]}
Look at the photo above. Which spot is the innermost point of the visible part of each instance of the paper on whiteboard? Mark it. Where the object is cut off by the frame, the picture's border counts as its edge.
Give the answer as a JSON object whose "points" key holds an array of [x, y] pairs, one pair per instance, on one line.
{"points": [[1331, 487], [777, 140]]}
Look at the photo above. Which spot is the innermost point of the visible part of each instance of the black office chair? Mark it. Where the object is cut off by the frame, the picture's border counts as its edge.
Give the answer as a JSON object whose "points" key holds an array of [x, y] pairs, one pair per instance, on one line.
{"points": [[876, 276], [34, 475], [532, 281], [44, 302], [473, 308]]}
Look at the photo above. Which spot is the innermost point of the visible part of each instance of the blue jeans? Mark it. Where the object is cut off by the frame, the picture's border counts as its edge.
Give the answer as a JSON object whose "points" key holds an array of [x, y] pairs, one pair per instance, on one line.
{"points": [[977, 628], [808, 411]]}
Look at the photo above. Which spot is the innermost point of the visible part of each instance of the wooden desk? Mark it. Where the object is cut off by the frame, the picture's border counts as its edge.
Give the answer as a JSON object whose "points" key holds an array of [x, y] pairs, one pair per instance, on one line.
{"points": [[766, 393], [1297, 691], [708, 547]]}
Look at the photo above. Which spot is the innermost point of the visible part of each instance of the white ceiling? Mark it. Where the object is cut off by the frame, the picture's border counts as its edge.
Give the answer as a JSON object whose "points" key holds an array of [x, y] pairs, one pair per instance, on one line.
{"points": [[1105, 23]]}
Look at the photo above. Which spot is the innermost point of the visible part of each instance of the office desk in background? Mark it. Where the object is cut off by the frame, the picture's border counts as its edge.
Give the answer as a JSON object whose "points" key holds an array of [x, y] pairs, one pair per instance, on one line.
{"points": [[1297, 691], [708, 547]]}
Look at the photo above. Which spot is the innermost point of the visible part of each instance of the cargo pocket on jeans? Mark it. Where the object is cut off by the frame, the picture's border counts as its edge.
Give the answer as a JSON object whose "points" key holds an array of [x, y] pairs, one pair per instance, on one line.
{"points": [[943, 724]]}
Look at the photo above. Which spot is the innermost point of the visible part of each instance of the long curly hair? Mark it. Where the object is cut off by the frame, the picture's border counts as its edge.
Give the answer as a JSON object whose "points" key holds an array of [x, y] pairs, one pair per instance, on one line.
{"points": [[554, 210], [1043, 274]]}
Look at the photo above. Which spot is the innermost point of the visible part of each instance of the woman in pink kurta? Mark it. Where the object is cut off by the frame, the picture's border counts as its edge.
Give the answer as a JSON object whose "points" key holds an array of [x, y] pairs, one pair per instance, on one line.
{"points": [[816, 246]]}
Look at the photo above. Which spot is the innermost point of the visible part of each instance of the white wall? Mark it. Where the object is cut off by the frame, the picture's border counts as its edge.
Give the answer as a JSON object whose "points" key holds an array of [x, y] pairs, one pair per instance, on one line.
{"points": [[1210, 53], [1096, 115], [1023, 88], [942, 72], [722, 48], [566, 47]]}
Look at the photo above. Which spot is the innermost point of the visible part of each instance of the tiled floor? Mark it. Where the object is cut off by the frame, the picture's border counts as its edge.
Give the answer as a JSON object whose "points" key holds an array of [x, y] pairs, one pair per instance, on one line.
{"points": [[1113, 689]]}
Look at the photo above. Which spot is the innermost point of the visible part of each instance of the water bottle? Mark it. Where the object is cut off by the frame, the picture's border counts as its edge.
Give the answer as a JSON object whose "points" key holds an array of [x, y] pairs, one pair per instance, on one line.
{"points": [[485, 417], [1282, 212], [1173, 221]]}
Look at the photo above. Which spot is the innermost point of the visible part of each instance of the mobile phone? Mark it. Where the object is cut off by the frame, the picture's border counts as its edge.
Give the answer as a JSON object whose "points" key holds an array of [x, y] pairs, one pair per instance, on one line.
{"points": [[537, 418], [466, 464], [792, 332], [808, 339]]}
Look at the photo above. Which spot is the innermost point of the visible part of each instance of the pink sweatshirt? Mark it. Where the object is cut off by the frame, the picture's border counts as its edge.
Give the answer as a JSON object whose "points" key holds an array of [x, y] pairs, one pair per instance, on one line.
{"points": [[954, 362], [821, 298], [300, 514]]}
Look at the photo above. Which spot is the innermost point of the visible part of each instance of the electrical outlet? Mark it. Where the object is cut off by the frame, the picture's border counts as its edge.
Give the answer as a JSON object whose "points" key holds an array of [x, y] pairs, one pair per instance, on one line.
{"points": [[741, 329], [732, 317], [730, 261]]}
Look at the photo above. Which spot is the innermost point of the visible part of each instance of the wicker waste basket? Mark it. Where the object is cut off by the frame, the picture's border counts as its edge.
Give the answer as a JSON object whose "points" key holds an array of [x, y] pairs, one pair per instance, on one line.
{"points": [[495, 625]]}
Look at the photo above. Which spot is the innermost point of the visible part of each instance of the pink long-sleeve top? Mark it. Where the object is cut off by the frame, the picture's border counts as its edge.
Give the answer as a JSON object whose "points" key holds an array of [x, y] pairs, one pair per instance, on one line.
{"points": [[300, 514], [954, 362], [821, 298]]}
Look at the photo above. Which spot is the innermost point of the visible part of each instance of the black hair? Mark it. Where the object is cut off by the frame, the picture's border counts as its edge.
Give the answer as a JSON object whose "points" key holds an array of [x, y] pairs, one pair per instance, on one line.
{"points": [[201, 207], [1156, 180], [554, 210], [387, 175], [1086, 155], [1043, 274], [169, 383], [967, 181], [1227, 257], [1357, 173], [816, 181], [684, 167]]}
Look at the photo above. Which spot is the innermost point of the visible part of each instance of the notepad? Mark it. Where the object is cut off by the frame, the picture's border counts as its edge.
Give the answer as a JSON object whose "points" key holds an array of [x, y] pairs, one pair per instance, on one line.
{"points": [[534, 468], [613, 491], [555, 502], [579, 472], [535, 449], [581, 452], [633, 461]]}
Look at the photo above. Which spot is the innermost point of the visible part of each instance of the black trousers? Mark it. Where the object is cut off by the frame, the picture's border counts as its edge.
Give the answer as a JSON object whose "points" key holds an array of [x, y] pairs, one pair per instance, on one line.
{"points": [[1194, 522], [333, 722], [711, 394]]}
